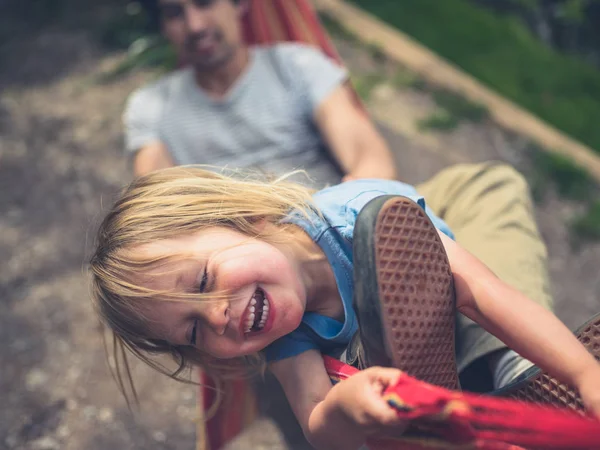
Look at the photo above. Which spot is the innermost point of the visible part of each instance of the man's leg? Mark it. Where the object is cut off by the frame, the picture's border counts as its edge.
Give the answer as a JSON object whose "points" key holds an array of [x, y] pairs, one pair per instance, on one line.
{"points": [[489, 208]]}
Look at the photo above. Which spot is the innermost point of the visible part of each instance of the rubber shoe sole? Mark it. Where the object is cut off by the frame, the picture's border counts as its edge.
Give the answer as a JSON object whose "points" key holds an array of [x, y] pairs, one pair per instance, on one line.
{"points": [[539, 387], [404, 292]]}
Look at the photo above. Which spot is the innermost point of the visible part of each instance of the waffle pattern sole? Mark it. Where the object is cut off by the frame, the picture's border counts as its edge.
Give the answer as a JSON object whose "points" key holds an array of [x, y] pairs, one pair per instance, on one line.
{"points": [[416, 291], [542, 388]]}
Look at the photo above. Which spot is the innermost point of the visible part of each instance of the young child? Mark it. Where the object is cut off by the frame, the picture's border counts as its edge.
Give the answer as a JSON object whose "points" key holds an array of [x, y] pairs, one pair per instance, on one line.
{"points": [[229, 272]]}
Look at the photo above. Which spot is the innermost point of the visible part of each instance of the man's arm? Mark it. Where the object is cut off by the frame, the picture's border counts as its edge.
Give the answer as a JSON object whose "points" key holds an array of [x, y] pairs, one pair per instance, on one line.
{"points": [[151, 157], [352, 138], [141, 120]]}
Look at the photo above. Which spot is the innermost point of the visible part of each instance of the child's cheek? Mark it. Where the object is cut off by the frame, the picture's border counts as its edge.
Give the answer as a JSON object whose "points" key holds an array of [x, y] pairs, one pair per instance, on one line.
{"points": [[221, 350]]}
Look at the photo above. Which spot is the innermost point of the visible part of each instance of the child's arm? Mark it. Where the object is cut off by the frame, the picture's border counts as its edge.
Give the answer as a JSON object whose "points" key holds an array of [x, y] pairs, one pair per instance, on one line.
{"points": [[338, 417], [523, 325]]}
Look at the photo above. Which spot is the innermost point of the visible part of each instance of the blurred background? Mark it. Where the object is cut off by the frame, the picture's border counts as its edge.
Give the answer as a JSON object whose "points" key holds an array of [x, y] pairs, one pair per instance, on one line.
{"points": [[66, 69]]}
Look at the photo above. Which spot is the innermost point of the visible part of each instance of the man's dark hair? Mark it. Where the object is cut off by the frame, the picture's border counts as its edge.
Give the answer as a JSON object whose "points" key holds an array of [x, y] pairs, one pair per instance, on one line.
{"points": [[153, 11]]}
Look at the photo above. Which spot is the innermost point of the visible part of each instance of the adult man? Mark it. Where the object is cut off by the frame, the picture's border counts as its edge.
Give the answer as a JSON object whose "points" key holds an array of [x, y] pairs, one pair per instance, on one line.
{"points": [[278, 108], [275, 109]]}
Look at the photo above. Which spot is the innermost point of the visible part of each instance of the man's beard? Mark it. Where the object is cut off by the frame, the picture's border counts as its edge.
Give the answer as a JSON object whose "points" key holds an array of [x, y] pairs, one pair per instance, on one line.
{"points": [[219, 55]]}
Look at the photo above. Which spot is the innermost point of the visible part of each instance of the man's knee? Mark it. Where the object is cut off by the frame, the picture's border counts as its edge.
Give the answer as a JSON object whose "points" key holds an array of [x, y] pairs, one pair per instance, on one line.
{"points": [[486, 175], [458, 189]]}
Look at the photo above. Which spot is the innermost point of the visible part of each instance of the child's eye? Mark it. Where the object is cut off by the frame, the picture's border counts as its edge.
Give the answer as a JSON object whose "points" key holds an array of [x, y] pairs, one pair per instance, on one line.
{"points": [[194, 332], [203, 281]]}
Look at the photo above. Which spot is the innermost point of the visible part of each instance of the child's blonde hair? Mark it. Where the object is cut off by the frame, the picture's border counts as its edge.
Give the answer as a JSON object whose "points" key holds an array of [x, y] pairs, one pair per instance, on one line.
{"points": [[167, 204]]}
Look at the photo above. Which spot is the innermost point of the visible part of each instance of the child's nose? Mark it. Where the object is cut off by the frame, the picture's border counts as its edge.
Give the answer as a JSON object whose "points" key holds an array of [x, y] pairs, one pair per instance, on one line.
{"points": [[217, 316]]}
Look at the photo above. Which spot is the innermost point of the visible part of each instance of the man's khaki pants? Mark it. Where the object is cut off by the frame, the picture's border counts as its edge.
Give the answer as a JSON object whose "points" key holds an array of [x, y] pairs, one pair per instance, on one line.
{"points": [[489, 208]]}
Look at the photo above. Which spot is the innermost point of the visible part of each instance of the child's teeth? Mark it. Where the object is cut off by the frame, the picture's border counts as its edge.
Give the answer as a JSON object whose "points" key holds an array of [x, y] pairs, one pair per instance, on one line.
{"points": [[265, 314], [252, 314]]}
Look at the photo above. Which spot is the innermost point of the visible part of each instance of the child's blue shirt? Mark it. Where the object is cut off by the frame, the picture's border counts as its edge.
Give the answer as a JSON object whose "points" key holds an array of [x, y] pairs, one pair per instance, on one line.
{"points": [[339, 206]]}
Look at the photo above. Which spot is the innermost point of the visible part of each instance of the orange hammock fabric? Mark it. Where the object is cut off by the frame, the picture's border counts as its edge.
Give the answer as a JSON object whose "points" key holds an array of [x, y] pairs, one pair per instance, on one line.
{"points": [[443, 420]]}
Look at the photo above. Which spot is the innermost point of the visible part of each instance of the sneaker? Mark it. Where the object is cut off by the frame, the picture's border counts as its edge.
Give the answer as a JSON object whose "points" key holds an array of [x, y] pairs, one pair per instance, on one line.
{"points": [[404, 292], [536, 386]]}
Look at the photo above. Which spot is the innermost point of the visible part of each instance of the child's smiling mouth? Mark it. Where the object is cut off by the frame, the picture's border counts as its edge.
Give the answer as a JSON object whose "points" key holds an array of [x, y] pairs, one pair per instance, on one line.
{"points": [[257, 312]]}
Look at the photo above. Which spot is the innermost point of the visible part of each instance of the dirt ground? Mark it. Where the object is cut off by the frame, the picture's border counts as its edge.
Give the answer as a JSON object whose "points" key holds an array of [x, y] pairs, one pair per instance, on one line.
{"points": [[61, 162]]}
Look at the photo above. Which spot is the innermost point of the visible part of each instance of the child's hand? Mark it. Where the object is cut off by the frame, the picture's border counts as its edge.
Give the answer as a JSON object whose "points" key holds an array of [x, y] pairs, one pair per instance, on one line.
{"points": [[360, 400], [589, 388]]}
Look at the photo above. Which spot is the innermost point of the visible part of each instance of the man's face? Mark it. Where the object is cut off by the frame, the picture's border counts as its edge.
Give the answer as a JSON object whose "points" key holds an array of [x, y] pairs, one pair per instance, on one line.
{"points": [[205, 33]]}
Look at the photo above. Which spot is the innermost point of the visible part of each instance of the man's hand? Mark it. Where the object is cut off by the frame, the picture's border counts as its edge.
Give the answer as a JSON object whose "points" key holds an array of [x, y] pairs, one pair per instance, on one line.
{"points": [[152, 157]]}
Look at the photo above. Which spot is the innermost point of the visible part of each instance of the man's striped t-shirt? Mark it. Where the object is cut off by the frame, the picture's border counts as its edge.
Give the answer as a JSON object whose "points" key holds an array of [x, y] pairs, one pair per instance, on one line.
{"points": [[265, 122]]}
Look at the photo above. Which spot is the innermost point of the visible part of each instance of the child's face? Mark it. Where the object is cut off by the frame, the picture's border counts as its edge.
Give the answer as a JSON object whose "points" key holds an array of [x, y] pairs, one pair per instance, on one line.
{"points": [[266, 297]]}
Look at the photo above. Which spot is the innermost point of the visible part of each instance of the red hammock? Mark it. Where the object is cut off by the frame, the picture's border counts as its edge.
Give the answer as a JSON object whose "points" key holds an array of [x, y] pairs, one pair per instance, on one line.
{"points": [[443, 419], [270, 21]]}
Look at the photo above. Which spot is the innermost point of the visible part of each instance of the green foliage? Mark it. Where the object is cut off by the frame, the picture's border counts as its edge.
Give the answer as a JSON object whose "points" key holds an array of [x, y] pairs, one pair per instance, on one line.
{"points": [[586, 226], [126, 26], [376, 51], [440, 120], [335, 28], [364, 85], [454, 108], [574, 11], [530, 5], [500, 51], [155, 53], [406, 79], [460, 106], [571, 180], [130, 28]]}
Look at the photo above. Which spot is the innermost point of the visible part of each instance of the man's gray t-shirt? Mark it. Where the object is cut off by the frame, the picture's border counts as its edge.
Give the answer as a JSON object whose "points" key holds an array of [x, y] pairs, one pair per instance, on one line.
{"points": [[265, 122]]}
